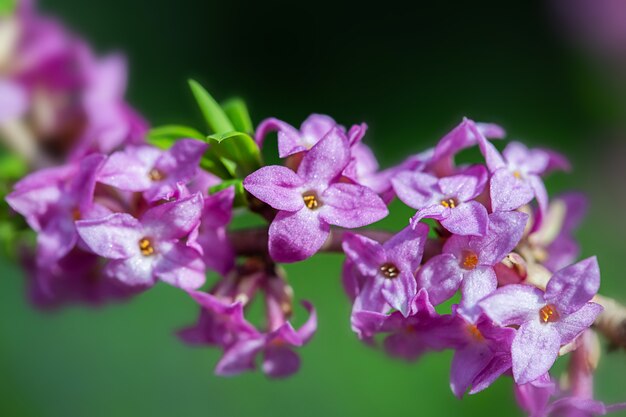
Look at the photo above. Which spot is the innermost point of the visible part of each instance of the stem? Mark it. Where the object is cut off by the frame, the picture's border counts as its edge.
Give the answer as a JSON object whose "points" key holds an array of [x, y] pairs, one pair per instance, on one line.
{"points": [[611, 323]]}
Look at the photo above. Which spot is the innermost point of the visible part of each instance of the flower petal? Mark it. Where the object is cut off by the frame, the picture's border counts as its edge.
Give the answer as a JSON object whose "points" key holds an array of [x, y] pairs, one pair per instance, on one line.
{"points": [[441, 276], [573, 324], [280, 362], [504, 232], [175, 219], [296, 236], [137, 270], [509, 192], [467, 363], [534, 350], [276, 186], [239, 357], [366, 254], [572, 287], [468, 218], [399, 292], [513, 304], [351, 205], [115, 236], [288, 136], [129, 169], [416, 189], [477, 284], [464, 187], [326, 160], [405, 248], [179, 265]]}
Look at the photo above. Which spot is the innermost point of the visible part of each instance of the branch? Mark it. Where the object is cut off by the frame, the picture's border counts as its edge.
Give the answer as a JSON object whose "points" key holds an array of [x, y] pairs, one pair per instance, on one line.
{"points": [[611, 323]]}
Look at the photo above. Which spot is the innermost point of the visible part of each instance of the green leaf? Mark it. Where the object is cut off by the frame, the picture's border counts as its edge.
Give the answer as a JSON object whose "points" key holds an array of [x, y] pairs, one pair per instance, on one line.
{"points": [[240, 192], [12, 167], [237, 147], [223, 168], [237, 112], [7, 7], [164, 136], [214, 116]]}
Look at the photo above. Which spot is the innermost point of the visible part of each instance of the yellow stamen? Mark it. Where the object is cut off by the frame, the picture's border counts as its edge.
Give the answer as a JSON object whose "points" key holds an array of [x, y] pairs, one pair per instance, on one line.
{"points": [[389, 270], [146, 247], [311, 201], [470, 260], [517, 174], [449, 203], [548, 314], [156, 175]]}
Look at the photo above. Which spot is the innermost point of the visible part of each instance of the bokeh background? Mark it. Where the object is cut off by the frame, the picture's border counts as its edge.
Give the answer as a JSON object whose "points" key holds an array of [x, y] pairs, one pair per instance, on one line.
{"points": [[411, 72]]}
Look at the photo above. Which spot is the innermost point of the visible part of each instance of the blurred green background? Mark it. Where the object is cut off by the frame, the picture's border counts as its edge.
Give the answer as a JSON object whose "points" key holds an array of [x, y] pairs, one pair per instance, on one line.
{"points": [[411, 73]]}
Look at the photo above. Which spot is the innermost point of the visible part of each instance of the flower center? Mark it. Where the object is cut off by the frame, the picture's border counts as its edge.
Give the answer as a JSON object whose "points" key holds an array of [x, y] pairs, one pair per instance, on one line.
{"points": [[469, 260], [145, 245], [76, 214], [156, 175], [389, 270], [517, 174], [311, 200], [449, 203], [548, 314], [475, 333]]}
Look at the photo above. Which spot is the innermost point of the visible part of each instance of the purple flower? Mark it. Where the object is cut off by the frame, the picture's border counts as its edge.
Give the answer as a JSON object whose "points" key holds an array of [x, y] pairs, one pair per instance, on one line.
{"points": [[516, 174], [142, 250], [470, 261], [448, 199], [71, 101], [279, 359], [463, 136], [154, 172], [388, 269], [312, 199], [75, 278], [221, 322], [547, 320], [211, 236], [364, 169], [52, 199], [292, 140], [483, 353], [110, 121], [408, 337], [534, 397], [562, 249]]}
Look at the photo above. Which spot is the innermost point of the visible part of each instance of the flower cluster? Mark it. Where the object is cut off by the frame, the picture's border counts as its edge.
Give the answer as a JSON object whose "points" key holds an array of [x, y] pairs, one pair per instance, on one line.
{"points": [[487, 267]]}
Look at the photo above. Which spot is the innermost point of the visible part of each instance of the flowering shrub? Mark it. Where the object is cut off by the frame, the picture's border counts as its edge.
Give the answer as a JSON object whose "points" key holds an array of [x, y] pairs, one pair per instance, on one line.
{"points": [[117, 209]]}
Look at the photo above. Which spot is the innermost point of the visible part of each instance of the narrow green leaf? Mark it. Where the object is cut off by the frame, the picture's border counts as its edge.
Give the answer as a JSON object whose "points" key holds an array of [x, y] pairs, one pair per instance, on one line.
{"points": [[214, 116], [164, 136], [237, 112], [238, 147], [212, 163]]}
